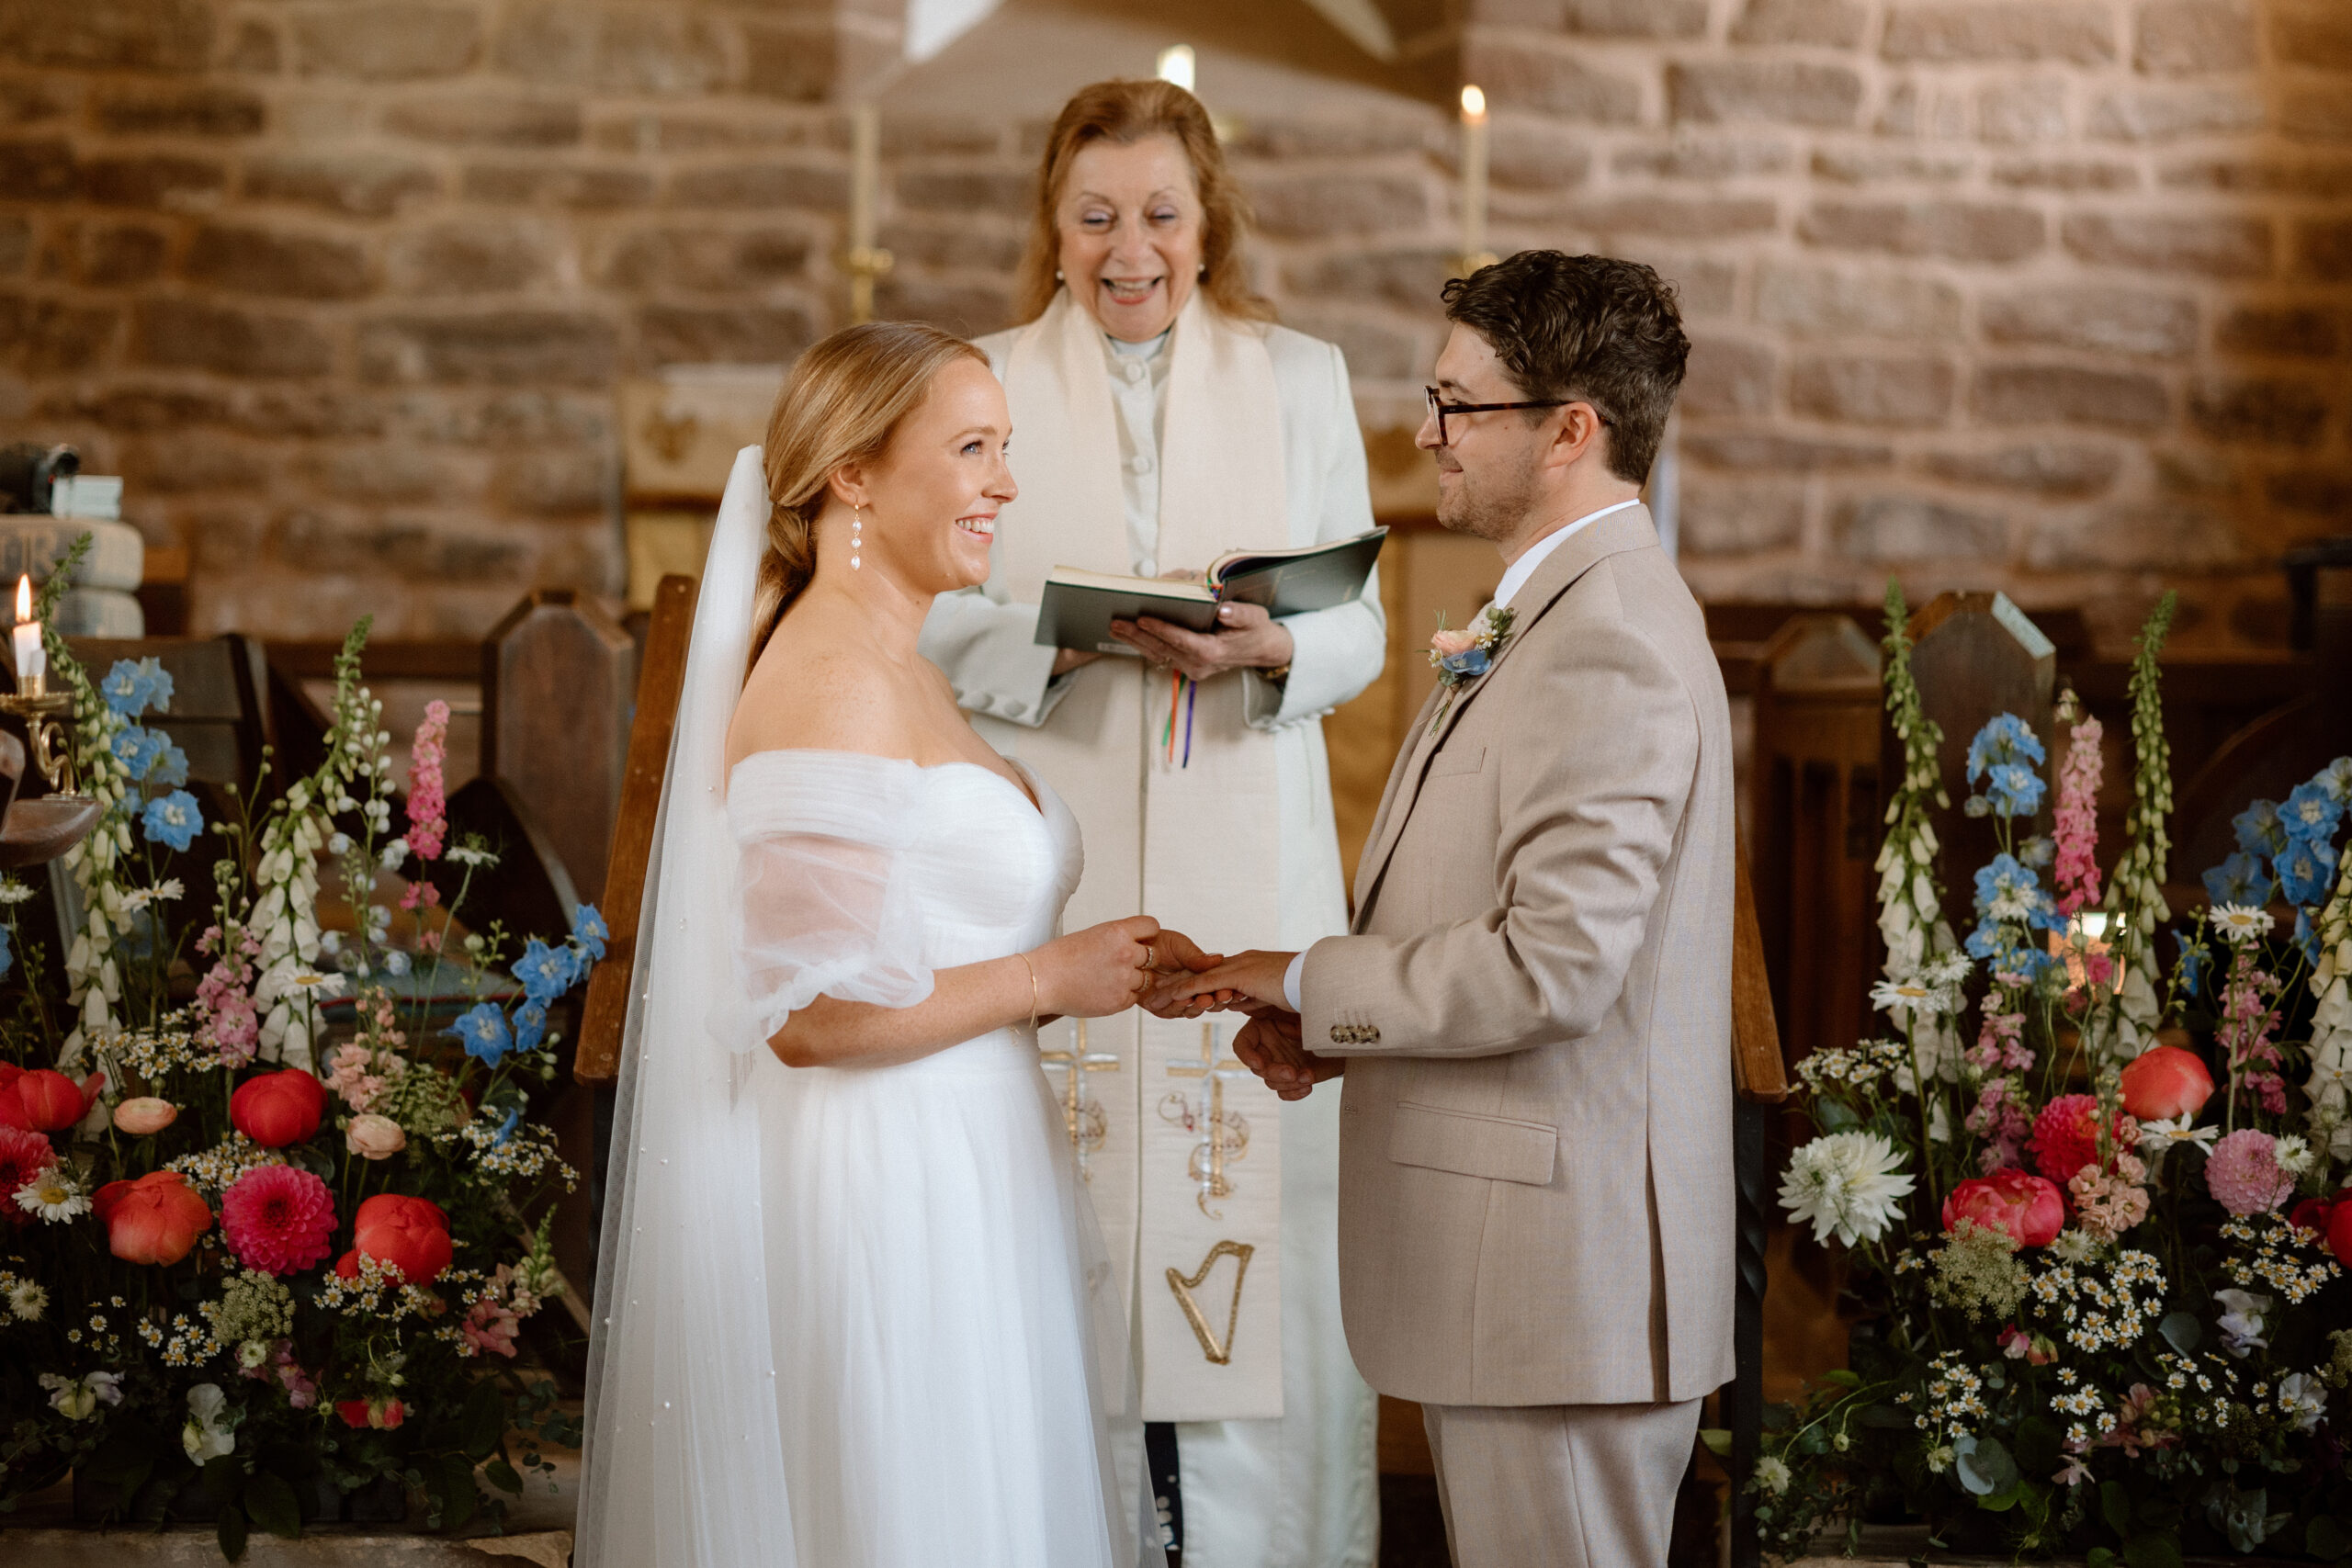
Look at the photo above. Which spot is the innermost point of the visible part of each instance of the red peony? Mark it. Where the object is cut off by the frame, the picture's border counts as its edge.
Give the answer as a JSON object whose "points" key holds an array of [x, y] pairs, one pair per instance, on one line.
{"points": [[2019, 1202], [279, 1109], [23, 1155], [44, 1101], [2065, 1136], [407, 1235], [2339, 1232], [277, 1219], [2165, 1083], [155, 1219]]}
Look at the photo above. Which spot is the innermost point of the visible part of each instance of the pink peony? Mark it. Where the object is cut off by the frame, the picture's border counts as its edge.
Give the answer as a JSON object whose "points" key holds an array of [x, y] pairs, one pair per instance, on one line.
{"points": [[2339, 1233], [2019, 1202], [374, 1137], [155, 1219], [408, 1235], [2243, 1173], [23, 1155], [280, 1108], [277, 1219], [2164, 1082]]}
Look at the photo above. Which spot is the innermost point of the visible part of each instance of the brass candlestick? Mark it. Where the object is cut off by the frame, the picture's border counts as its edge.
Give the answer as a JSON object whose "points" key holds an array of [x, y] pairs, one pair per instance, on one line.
{"points": [[44, 714]]}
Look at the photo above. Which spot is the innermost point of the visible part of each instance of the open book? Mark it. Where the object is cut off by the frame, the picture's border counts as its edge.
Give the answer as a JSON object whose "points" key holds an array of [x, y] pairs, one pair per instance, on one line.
{"points": [[1079, 605]]}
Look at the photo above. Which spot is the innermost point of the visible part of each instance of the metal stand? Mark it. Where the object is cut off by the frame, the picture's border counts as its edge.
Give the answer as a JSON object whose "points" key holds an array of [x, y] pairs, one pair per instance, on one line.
{"points": [[44, 716]]}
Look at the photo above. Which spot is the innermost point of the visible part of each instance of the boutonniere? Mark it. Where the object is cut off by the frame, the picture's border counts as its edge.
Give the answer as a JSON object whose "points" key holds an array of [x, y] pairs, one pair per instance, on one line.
{"points": [[1463, 656]]}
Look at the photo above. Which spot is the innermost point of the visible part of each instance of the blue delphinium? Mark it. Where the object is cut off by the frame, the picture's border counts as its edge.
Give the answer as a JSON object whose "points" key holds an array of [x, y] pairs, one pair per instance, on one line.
{"points": [[2311, 812], [547, 972], [2194, 956], [131, 688], [505, 1128], [174, 819], [589, 932], [2038, 850], [530, 1025], [2307, 937], [2258, 828], [139, 749], [2001, 756], [2336, 781], [7, 954], [2303, 867], [1467, 665], [2016, 790], [2011, 903], [483, 1030], [2239, 879], [170, 767]]}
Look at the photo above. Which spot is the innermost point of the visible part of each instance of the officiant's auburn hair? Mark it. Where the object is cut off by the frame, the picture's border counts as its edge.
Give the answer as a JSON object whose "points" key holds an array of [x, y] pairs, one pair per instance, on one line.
{"points": [[842, 403], [1123, 112]]}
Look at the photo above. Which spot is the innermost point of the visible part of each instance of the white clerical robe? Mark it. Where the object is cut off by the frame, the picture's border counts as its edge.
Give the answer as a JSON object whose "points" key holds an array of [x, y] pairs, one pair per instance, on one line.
{"points": [[1299, 1491]]}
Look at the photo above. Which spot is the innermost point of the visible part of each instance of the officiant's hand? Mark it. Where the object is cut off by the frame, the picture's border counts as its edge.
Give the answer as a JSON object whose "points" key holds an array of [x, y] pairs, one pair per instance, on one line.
{"points": [[1246, 639], [1252, 980], [1271, 1046]]}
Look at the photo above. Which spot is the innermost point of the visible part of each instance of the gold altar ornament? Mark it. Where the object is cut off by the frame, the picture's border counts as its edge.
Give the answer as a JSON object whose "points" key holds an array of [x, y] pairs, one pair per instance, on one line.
{"points": [[1084, 1118], [1183, 1285], [1223, 1134]]}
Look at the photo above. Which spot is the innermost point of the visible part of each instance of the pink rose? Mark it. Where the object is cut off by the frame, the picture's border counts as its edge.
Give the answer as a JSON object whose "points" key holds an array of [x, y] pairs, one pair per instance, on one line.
{"points": [[374, 1137], [2030, 1209], [1447, 643], [144, 1116]]}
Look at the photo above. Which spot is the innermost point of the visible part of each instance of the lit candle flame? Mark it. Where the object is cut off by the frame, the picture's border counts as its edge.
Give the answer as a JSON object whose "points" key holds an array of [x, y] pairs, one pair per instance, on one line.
{"points": [[1473, 104], [24, 599], [1176, 66]]}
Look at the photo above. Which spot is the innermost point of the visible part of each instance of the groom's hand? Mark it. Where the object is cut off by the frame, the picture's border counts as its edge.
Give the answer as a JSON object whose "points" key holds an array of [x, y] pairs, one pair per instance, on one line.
{"points": [[1175, 956], [1250, 981], [1271, 1046]]}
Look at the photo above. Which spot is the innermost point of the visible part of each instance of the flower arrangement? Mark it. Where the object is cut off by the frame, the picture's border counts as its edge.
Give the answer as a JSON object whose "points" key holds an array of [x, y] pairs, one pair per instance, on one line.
{"points": [[253, 1246], [1461, 657], [2099, 1252]]}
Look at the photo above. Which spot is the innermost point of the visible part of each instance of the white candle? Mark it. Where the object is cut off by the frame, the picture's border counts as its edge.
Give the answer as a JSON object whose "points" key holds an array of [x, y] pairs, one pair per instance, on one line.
{"points": [[1473, 179], [864, 180], [32, 660], [1175, 65]]}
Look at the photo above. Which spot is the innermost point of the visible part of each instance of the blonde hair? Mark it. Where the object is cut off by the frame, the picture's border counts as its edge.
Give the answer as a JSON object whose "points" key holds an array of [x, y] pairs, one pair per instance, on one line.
{"points": [[1124, 113], [842, 404]]}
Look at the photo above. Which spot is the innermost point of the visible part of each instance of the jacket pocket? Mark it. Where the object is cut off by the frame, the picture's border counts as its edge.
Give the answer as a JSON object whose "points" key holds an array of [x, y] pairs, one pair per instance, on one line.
{"points": [[1458, 760], [1496, 1147]]}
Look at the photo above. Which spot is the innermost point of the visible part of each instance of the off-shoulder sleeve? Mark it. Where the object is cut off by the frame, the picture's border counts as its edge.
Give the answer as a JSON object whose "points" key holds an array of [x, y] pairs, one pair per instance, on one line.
{"points": [[826, 904]]}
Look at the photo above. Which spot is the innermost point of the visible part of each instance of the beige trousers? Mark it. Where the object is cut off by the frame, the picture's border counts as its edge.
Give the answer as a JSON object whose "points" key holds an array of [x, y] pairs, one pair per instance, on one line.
{"points": [[1560, 1485]]}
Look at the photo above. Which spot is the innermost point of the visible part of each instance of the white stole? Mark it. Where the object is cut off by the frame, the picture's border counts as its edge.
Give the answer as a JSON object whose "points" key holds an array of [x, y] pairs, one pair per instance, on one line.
{"points": [[1192, 1212]]}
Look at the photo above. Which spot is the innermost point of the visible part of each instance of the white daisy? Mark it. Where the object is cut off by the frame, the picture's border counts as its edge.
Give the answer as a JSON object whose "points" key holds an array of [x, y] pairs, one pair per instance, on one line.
{"points": [[166, 891], [467, 854], [319, 986], [27, 1300], [2158, 1138], [2239, 924], [53, 1197], [13, 891], [1911, 995], [1846, 1184]]}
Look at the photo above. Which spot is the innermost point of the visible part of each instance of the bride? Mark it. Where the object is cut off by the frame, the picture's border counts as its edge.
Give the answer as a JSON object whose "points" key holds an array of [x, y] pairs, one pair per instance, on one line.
{"points": [[851, 1310]]}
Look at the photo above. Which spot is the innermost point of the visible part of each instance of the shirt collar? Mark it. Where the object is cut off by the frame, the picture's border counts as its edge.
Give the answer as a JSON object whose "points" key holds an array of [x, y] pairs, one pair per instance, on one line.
{"points": [[1537, 553]]}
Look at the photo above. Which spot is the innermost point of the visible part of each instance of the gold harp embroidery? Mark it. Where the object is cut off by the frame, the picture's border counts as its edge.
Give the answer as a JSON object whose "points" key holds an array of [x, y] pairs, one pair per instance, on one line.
{"points": [[1184, 1285]]}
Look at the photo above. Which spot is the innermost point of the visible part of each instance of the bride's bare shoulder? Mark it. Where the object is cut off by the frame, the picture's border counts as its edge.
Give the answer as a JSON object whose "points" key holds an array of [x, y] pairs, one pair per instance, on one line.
{"points": [[807, 692]]}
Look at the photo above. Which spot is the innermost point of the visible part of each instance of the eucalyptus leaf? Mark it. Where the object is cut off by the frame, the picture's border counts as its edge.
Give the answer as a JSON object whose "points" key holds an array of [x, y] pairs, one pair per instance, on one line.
{"points": [[1983, 1465], [2182, 1331], [230, 1531], [271, 1502], [1717, 1439]]}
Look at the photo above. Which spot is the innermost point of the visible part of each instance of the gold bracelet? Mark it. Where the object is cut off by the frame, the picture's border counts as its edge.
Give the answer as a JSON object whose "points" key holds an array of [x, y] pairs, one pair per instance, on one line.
{"points": [[1033, 989]]}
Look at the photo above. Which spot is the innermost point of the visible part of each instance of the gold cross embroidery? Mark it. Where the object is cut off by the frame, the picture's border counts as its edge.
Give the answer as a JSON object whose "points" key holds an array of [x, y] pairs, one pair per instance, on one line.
{"points": [[1225, 1136], [1083, 1115]]}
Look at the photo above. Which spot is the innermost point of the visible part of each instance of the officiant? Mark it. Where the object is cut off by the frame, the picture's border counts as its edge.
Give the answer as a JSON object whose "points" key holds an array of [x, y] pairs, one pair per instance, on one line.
{"points": [[1159, 419]]}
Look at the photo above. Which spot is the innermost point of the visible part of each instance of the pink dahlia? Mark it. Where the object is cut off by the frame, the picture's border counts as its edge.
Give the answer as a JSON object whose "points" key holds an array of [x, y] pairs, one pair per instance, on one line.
{"points": [[2244, 1175], [23, 1155], [277, 1219], [2065, 1136]]}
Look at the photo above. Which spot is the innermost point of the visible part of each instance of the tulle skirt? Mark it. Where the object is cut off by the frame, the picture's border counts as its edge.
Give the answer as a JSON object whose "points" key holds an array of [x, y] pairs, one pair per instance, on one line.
{"points": [[950, 1351]]}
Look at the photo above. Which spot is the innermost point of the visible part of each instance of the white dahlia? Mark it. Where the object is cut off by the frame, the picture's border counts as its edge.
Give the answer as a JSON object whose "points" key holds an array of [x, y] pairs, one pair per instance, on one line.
{"points": [[1847, 1184]]}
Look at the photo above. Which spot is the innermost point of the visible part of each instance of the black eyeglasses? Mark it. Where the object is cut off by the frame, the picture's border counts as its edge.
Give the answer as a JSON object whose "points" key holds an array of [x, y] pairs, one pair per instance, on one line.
{"points": [[1439, 410]]}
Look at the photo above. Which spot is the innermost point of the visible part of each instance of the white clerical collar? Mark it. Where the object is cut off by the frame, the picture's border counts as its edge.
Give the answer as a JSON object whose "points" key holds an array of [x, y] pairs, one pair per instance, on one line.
{"points": [[1537, 553]]}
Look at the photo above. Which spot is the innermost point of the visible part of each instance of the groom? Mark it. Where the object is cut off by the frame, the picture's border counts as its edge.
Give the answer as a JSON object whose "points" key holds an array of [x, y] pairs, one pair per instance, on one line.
{"points": [[1533, 1010]]}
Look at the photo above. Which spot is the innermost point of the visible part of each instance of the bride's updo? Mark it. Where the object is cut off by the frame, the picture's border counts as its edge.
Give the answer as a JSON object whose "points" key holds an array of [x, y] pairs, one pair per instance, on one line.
{"points": [[840, 404]]}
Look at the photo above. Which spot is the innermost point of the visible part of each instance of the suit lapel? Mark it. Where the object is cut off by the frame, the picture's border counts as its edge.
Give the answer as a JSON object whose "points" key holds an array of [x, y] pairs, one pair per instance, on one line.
{"points": [[1628, 530]]}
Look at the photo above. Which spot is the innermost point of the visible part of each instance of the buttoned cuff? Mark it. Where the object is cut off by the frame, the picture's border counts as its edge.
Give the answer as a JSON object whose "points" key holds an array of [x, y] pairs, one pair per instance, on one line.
{"points": [[1290, 981]]}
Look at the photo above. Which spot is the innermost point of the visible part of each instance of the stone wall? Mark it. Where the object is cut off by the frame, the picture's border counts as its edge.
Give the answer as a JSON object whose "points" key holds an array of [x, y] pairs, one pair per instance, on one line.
{"points": [[2043, 294]]}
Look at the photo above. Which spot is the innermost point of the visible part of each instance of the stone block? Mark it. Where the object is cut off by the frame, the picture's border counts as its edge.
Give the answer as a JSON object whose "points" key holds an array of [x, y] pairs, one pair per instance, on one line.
{"points": [[788, 61], [241, 259], [966, 308], [1833, 302], [712, 260], [771, 185], [2293, 332], [2020, 112], [1374, 352], [2044, 468], [946, 244], [2195, 471], [1410, 278], [188, 462], [2259, 412], [743, 334], [2324, 248], [1961, 231], [2098, 318], [396, 547], [1517, 75], [30, 100], [253, 49], [186, 111], [1786, 91], [1888, 529], [151, 179], [1524, 156], [1679, 218], [1864, 166], [1704, 286], [498, 348], [1681, 160], [2314, 33], [108, 35], [2165, 537], [965, 192], [393, 472], [395, 40], [1739, 518], [2064, 174], [1828, 24], [580, 187], [1949, 31], [134, 406], [2215, 247], [2068, 394], [2192, 37], [358, 185], [1933, 111], [17, 245], [2315, 114], [914, 136], [475, 120], [49, 337], [2167, 114], [479, 255], [1758, 451], [670, 50], [1302, 206], [184, 334], [647, 131], [2325, 492], [555, 483], [2265, 174], [1633, 18], [38, 171], [1728, 380], [1863, 389]]}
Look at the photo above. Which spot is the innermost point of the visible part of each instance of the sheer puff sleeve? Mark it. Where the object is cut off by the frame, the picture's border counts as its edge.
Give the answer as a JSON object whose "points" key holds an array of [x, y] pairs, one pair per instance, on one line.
{"points": [[825, 897]]}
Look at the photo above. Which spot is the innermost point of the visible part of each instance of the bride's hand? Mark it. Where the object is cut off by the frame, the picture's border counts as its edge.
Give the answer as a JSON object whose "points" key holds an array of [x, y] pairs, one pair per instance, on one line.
{"points": [[1096, 971]]}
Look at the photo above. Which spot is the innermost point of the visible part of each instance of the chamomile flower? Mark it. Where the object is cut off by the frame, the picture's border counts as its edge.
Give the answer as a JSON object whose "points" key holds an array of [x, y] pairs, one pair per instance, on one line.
{"points": [[53, 1197], [27, 1300]]}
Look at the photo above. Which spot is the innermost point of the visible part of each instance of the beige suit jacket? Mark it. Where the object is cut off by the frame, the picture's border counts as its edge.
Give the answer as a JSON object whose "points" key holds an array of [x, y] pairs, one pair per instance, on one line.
{"points": [[1535, 1145]]}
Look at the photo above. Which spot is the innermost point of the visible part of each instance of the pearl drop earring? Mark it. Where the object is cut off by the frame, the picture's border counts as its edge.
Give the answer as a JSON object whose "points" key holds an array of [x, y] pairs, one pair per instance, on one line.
{"points": [[856, 535]]}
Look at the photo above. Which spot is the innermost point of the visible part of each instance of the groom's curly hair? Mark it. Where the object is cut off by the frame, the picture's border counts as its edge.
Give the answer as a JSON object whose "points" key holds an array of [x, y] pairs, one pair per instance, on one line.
{"points": [[1589, 329]]}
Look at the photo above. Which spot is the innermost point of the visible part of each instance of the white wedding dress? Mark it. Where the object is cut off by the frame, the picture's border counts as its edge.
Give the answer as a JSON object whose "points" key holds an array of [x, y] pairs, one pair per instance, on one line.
{"points": [[846, 1317]]}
